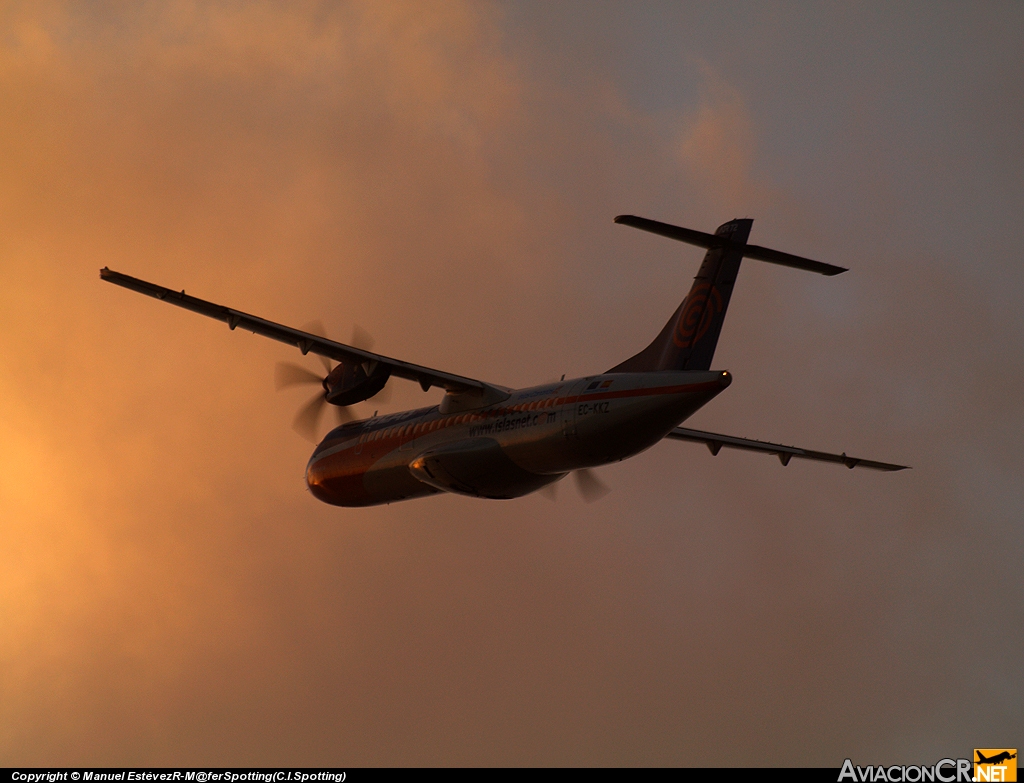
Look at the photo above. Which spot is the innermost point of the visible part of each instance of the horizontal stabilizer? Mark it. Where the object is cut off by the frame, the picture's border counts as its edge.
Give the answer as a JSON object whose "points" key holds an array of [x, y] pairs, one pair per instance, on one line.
{"points": [[702, 239], [715, 442]]}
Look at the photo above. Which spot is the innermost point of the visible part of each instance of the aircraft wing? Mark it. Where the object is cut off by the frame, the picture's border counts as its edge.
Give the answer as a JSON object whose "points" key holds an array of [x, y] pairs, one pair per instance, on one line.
{"points": [[304, 341], [715, 442]]}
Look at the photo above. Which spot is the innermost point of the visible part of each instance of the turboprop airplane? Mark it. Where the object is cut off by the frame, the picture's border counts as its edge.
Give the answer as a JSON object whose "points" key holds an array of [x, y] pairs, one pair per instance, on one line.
{"points": [[490, 441]]}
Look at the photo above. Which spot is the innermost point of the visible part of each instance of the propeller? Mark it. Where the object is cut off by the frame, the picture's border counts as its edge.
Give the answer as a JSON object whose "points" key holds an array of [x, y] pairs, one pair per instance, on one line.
{"points": [[288, 374], [590, 487], [307, 421]]}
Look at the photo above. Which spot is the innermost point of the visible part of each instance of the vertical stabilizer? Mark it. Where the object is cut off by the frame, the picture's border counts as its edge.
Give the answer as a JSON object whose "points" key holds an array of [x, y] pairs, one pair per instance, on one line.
{"points": [[689, 338]]}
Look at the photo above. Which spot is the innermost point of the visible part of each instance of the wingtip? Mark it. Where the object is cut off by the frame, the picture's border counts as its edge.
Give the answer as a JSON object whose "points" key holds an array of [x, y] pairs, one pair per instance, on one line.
{"points": [[889, 467]]}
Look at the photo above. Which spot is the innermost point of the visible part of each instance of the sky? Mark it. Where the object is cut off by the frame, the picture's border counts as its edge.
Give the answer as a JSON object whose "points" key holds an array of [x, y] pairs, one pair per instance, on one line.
{"points": [[445, 176]]}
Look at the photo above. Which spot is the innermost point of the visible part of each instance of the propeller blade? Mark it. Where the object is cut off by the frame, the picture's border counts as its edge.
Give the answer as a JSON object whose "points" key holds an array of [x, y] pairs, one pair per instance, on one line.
{"points": [[316, 327], [342, 414], [591, 488], [361, 338], [287, 374], [307, 422], [383, 396]]}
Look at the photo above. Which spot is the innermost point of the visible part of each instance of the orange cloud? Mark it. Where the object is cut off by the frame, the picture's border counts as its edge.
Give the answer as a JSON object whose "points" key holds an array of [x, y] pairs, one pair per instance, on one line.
{"points": [[170, 594]]}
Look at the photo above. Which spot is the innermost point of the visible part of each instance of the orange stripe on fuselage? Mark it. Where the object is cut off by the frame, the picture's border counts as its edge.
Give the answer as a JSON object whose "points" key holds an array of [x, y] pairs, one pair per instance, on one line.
{"points": [[342, 472]]}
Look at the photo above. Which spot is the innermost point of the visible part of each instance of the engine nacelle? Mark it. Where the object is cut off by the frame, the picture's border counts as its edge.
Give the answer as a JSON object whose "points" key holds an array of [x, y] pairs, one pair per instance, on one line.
{"points": [[349, 383]]}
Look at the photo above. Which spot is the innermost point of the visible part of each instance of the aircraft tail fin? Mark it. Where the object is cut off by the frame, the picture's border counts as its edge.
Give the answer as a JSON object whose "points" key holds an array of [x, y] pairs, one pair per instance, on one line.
{"points": [[689, 339]]}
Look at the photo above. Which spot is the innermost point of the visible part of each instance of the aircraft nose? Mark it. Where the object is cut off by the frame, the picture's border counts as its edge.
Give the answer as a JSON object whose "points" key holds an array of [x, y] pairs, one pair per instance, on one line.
{"points": [[314, 480]]}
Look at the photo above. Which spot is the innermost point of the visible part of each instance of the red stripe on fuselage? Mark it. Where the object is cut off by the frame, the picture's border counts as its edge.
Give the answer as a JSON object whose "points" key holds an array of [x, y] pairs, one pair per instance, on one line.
{"points": [[644, 392], [448, 420]]}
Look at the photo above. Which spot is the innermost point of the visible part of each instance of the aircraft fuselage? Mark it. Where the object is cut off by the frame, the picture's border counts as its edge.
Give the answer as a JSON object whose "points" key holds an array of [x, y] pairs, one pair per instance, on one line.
{"points": [[508, 449]]}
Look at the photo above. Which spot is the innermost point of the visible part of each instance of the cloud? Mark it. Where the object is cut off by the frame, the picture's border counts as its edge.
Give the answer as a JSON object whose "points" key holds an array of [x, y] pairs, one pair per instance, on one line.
{"points": [[172, 595], [718, 145], [160, 555]]}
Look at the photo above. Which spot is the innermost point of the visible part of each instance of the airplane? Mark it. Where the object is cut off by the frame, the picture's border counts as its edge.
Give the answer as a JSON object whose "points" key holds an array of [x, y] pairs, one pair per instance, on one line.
{"points": [[996, 759], [490, 441]]}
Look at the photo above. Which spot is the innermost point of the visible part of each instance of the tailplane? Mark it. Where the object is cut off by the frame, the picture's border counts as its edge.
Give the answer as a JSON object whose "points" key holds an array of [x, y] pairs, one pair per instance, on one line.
{"points": [[689, 338]]}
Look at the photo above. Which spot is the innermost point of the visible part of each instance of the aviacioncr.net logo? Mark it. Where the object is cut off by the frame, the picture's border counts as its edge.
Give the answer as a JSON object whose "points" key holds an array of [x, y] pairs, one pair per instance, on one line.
{"points": [[944, 771], [995, 764]]}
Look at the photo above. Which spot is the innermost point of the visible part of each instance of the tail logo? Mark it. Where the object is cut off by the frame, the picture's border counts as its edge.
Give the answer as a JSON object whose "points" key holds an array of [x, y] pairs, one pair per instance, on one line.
{"points": [[702, 305]]}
